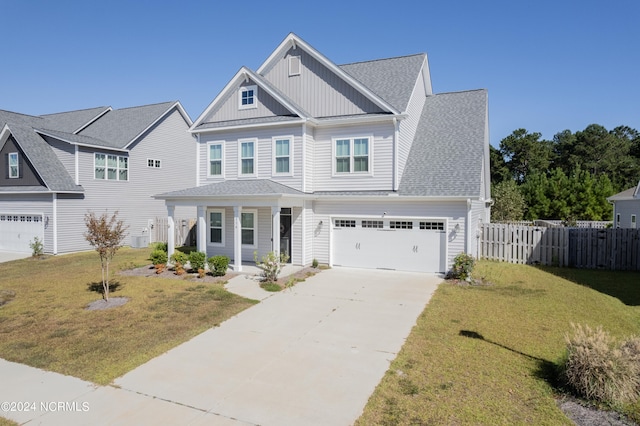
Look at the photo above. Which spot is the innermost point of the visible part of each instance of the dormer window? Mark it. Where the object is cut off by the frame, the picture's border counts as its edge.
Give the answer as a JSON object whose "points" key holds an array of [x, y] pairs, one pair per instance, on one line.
{"points": [[248, 97]]}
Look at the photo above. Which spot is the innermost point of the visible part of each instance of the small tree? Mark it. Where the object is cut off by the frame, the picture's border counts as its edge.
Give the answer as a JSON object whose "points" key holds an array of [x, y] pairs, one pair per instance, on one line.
{"points": [[105, 235]]}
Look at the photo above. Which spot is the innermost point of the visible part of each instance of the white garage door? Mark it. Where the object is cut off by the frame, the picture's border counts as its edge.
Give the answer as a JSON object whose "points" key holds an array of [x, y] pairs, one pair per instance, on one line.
{"points": [[18, 230], [403, 244]]}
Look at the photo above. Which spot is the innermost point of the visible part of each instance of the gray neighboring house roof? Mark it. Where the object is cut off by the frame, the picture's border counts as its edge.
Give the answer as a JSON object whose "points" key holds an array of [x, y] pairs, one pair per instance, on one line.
{"points": [[227, 188], [392, 79], [447, 153], [72, 121], [626, 195]]}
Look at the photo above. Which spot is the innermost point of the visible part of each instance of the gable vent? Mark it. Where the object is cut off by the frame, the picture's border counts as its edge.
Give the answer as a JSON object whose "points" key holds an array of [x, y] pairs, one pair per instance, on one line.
{"points": [[294, 65]]}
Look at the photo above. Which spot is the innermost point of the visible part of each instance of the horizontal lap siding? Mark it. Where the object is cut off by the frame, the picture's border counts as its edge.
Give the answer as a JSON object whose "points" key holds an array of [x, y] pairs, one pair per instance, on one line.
{"points": [[32, 204], [263, 239], [381, 150], [454, 212], [625, 209]]}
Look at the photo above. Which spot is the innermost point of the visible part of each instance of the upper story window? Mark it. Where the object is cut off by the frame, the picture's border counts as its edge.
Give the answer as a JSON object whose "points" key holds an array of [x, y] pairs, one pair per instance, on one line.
{"points": [[248, 97], [154, 164], [282, 156], [215, 159], [14, 165], [111, 167], [352, 155], [294, 65], [247, 158]]}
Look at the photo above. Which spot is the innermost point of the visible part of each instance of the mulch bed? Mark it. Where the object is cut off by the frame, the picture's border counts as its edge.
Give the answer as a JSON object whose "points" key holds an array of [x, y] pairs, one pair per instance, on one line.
{"points": [[150, 271]]}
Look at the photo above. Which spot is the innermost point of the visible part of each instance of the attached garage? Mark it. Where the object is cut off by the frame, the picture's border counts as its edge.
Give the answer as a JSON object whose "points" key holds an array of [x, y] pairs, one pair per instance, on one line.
{"points": [[402, 244], [18, 230]]}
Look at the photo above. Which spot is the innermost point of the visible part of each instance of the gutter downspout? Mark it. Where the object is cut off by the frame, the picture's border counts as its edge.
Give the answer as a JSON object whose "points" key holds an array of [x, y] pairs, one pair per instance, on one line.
{"points": [[304, 157], [77, 163], [467, 230], [396, 132], [55, 222], [198, 159]]}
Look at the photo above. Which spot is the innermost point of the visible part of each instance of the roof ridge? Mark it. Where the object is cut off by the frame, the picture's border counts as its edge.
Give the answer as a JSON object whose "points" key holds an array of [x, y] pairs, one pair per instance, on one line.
{"points": [[21, 113], [73, 110], [460, 91], [147, 105], [383, 59]]}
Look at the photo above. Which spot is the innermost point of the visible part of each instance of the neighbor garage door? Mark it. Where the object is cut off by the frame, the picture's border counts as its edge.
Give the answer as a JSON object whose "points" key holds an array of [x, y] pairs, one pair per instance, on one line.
{"points": [[18, 230], [403, 244]]}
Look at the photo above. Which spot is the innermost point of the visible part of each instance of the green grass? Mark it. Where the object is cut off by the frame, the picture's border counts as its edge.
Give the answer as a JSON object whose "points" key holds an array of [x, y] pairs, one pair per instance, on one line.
{"points": [[46, 324], [487, 354]]}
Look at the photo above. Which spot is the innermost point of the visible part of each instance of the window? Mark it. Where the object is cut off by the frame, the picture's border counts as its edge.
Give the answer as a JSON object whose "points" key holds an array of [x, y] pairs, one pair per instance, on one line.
{"points": [[247, 155], [248, 225], [154, 164], [14, 166], [398, 224], [618, 220], [633, 221], [342, 223], [352, 155], [437, 226], [282, 156], [215, 159], [247, 97], [111, 167], [372, 224], [294, 65], [216, 227]]}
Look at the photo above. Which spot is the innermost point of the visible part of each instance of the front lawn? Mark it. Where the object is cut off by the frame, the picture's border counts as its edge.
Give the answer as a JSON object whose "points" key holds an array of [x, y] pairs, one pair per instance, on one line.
{"points": [[487, 354], [45, 323]]}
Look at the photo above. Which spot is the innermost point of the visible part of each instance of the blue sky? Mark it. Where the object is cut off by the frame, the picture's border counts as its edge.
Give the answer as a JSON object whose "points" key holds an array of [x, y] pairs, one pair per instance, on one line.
{"points": [[548, 65]]}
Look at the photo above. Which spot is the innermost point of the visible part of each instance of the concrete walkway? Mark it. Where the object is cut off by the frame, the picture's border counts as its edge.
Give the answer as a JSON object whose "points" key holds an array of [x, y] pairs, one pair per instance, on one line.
{"points": [[309, 355]]}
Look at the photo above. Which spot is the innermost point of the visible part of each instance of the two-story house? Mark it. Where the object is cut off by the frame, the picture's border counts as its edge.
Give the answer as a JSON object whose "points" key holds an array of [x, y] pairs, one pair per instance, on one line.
{"points": [[357, 165], [55, 168], [626, 208]]}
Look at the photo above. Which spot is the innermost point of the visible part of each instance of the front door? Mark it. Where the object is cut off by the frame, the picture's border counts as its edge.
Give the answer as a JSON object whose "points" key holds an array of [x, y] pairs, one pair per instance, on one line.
{"points": [[285, 232]]}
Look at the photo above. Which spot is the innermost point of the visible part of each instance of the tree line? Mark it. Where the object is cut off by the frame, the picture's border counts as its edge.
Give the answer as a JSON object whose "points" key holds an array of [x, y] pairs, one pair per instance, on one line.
{"points": [[567, 178]]}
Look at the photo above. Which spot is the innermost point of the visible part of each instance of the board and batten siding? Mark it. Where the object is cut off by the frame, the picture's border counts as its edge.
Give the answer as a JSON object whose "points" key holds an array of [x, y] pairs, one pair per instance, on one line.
{"points": [[65, 153], [454, 212], [40, 204], [229, 106], [381, 150], [407, 127], [263, 162], [168, 142], [317, 90]]}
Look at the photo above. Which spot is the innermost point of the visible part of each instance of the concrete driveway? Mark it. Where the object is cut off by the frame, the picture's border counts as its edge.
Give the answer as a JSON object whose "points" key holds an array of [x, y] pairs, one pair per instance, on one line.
{"points": [[310, 355]]}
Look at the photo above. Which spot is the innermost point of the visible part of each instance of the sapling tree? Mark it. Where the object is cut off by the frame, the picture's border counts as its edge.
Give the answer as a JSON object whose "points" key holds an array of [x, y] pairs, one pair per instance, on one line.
{"points": [[105, 235]]}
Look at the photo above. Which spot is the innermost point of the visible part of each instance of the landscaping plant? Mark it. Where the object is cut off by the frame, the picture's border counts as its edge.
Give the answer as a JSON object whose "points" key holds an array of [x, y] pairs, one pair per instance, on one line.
{"points": [[37, 248], [179, 259], [271, 265], [218, 265], [105, 235], [197, 260], [463, 265]]}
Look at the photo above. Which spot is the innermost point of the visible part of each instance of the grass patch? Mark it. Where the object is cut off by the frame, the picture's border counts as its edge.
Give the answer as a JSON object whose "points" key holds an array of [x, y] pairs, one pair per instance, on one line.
{"points": [[270, 286], [47, 326], [488, 354], [7, 422]]}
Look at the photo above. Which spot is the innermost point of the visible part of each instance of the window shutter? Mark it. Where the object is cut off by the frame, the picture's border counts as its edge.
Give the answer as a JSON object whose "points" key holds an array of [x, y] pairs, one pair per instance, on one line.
{"points": [[6, 165], [20, 166]]}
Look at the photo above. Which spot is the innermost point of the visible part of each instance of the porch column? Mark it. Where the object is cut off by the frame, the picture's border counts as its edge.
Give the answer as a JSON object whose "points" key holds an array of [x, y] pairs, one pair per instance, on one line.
{"points": [[171, 231], [275, 230], [237, 239], [201, 237]]}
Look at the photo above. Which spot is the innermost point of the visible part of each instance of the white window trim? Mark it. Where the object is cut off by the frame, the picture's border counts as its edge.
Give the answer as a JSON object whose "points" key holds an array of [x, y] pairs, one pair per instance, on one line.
{"points": [[352, 173], [633, 222], [106, 167], [255, 158], [221, 175], [255, 228], [243, 89], [17, 156], [222, 244], [292, 72], [155, 161], [618, 220], [273, 150]]}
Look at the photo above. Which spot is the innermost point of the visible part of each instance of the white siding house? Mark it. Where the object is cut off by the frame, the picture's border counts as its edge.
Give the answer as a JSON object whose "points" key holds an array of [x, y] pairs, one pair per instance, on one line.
{"points": [[99, 160], [626, 208], [357, 165]]}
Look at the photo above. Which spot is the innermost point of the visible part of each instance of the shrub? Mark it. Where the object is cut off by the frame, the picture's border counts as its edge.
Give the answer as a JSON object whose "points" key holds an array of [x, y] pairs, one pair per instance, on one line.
{"points": [[159, 245], [462, 267], [179, 257], [314, 263], [598, 369], [218, 265], [197, 260], [37, 248], [271, 265], [158, 257]]}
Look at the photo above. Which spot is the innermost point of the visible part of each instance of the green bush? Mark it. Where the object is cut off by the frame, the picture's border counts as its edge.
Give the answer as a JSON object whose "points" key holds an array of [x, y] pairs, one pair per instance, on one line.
{"points": [[159, 245], [158, 257], [218, 265], [598, 369], [314, 263], [197, 260], [179, 257], [271, 265], [37, 248], [463, 265]]}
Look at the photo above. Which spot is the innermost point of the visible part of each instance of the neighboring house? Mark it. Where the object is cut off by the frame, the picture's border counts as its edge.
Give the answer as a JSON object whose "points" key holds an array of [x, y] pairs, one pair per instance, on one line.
{"points": [[56, 168], [357, 165], [626, 208]]}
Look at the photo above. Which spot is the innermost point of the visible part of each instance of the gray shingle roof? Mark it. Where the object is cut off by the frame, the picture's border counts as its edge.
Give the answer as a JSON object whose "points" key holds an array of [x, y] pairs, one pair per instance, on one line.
{"points": [[392, 79], [248, 121], [447, 154], [234, 188], [72, 121], [627, 194], [119, 127]]}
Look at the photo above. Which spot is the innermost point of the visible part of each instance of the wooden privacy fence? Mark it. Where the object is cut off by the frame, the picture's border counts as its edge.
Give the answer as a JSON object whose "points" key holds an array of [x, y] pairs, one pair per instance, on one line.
{"points": [[185, 231], [616, 249]]}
